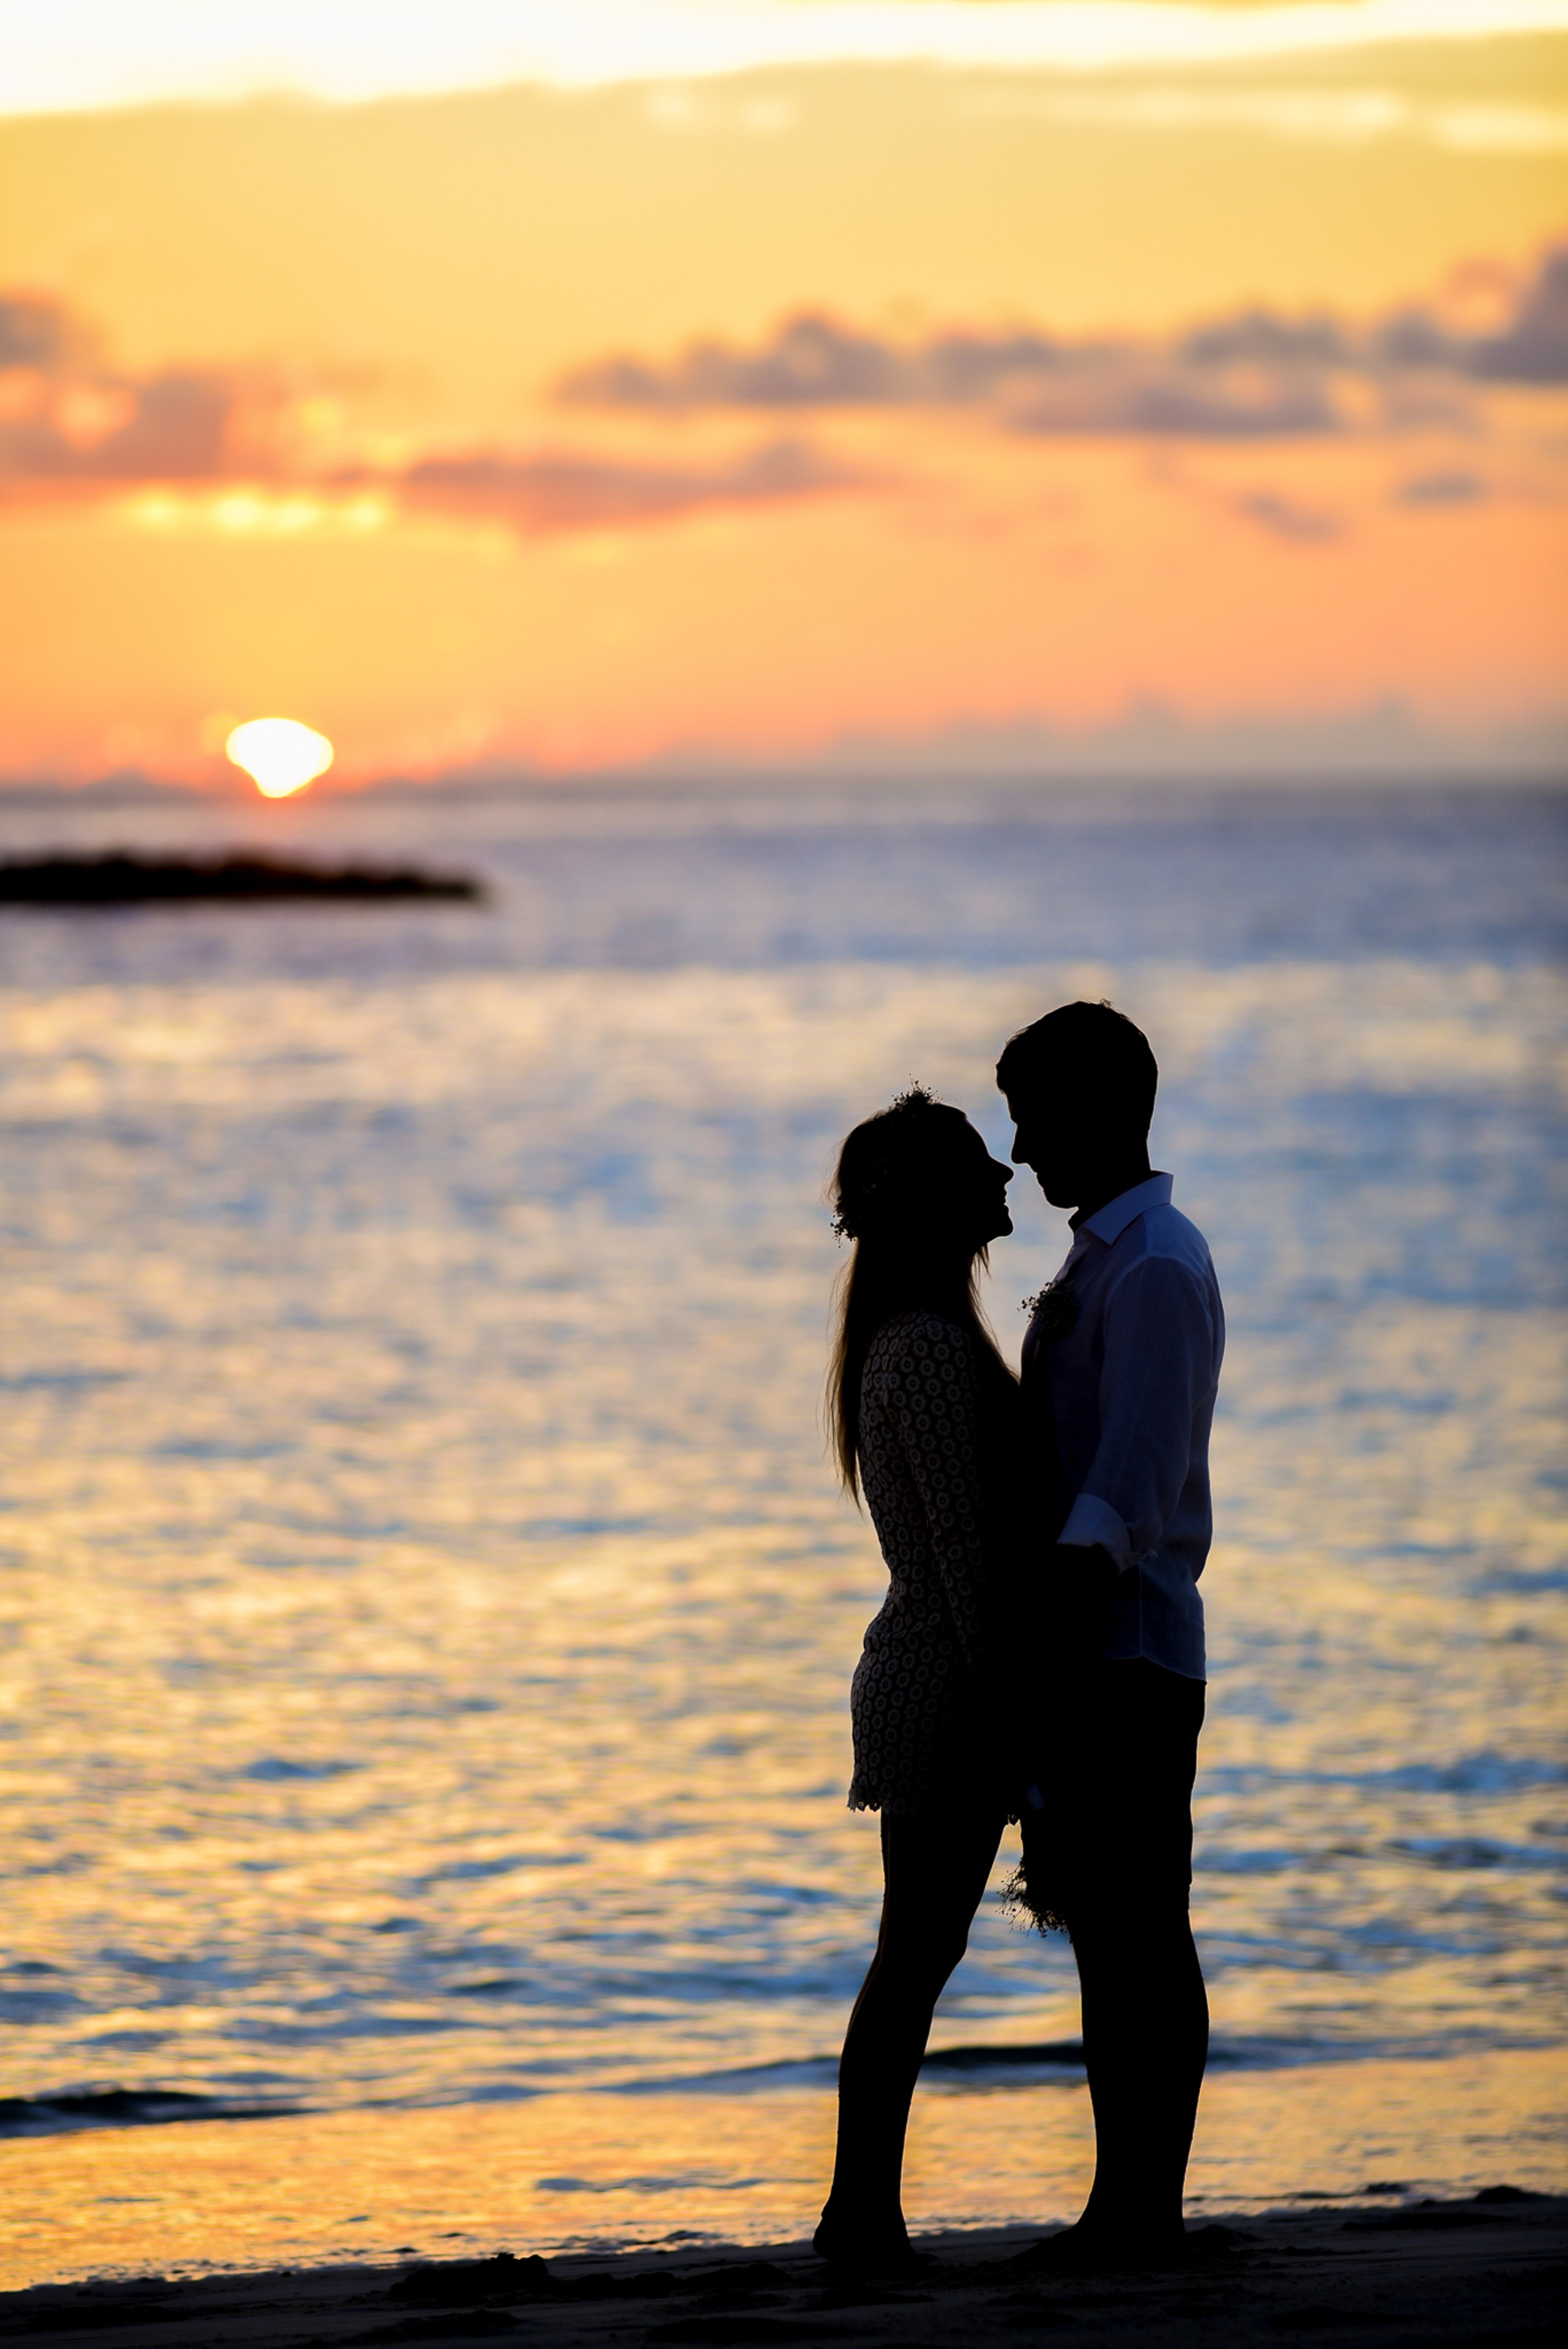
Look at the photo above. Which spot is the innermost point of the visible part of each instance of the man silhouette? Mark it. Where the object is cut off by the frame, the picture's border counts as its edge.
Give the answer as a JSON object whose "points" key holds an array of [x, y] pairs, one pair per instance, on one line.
{"points": [[1122, 1361]]}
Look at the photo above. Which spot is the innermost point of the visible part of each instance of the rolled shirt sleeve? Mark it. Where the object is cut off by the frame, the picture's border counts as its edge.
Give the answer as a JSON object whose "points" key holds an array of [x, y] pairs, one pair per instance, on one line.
{"points": [[1093, 1524], [1156, 1376]]}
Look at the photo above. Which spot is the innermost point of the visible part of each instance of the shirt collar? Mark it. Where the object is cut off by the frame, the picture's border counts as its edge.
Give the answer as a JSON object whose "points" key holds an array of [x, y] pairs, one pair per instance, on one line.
{"points": [[1109, 1222]]}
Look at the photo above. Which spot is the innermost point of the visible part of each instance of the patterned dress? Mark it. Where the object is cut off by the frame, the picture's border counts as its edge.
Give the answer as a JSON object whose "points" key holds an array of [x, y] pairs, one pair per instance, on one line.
{"points": [[938, 1422]]}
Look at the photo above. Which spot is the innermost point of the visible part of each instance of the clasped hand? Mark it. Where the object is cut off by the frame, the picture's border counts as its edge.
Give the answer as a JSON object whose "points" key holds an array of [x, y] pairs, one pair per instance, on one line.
{"points": [[1080, 1593]]}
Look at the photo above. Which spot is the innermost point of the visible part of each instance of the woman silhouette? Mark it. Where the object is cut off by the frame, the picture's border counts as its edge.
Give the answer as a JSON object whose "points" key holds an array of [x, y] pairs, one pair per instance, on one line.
{"points": [[925, 1422]]}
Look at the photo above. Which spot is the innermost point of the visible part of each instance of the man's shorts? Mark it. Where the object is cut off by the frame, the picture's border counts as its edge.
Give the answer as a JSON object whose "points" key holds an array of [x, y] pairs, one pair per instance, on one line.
{"points": [[1120, 1756]]}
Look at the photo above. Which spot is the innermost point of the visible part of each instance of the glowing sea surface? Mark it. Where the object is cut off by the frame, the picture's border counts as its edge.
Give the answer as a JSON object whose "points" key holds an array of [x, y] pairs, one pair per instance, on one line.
{"points": [[427, 1613]]}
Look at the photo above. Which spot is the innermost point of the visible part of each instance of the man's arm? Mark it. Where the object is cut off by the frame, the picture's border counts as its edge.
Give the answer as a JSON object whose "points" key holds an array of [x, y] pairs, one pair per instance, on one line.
{"points": [[1081, 1579], [1158, 1372]]}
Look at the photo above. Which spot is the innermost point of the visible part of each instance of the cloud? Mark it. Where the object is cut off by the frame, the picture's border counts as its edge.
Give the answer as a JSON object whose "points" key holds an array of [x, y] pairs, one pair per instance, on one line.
{"points": [[1534, 347], [88, 52], [1298, 113], [1248, 375], [1288, 517], [1039, 384], [69, 426], [675, 108], [66, 418], [1237, 404], [172, 427], [33, 331], [1445, 489], [541, 494], [810, 362]]}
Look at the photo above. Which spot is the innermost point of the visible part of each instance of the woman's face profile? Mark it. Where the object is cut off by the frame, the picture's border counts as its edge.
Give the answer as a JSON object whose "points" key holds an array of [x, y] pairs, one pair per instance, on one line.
{"points": [[981, 1190]]}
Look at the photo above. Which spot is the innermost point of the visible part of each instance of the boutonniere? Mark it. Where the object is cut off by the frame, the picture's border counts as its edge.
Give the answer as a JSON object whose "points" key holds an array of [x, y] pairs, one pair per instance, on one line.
{"points": [[1054, 1311]]}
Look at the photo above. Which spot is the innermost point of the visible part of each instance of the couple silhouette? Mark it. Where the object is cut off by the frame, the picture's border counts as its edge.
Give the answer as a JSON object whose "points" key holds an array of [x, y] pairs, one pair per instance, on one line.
{"points": [[1040, 1653]]}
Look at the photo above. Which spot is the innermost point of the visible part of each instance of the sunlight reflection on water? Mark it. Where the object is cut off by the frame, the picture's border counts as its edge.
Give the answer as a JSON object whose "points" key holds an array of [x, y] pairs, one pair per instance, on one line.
{"points": [[579, 2171], [428, 1615]]}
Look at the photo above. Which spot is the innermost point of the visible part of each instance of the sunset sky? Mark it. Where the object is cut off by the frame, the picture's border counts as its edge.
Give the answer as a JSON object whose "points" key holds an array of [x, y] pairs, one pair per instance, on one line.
{"points": [[564, 388]]}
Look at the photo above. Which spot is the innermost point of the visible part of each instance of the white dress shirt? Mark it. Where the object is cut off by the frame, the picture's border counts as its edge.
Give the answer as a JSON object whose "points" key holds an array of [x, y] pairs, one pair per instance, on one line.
{"points": [[1130, 1390]]}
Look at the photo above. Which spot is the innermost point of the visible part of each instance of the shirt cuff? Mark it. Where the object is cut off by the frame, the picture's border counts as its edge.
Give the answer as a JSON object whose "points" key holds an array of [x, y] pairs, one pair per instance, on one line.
{"points": [[1093, 1524]]}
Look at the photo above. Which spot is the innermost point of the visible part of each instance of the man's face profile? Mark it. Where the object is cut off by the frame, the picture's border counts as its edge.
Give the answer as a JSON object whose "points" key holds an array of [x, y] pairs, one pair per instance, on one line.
{"points": [[1050, 1131], [1082, 1147]]}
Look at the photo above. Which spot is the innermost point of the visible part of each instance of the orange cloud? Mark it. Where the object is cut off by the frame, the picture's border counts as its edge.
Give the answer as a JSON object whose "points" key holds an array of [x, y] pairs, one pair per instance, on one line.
{"points": [[68, 419], [566, 492], [69, 426], [762, 576]]}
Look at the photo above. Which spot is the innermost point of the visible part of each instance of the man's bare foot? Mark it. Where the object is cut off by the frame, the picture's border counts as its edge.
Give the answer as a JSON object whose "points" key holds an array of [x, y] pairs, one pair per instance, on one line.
{"points": [[1102, 2250]]}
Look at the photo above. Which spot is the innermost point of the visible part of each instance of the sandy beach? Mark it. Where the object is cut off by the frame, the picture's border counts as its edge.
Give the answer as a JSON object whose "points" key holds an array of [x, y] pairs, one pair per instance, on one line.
{"points": [[1487, 2271]]}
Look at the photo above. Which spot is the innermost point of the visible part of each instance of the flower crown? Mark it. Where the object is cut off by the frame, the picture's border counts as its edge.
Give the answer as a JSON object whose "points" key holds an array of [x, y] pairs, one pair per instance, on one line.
{"points": [[859, 1207]]}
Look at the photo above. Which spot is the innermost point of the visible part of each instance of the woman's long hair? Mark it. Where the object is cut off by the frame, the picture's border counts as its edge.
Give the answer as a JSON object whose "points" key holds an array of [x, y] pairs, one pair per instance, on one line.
{"points": [[896, 1196]]}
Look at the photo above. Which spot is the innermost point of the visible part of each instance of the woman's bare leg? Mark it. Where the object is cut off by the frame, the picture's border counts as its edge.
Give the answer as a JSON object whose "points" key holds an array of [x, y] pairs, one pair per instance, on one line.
{"points": [[934, 1874]]}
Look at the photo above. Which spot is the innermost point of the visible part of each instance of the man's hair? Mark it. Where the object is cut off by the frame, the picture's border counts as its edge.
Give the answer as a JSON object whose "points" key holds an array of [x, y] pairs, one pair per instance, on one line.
{"points": [[1089, 1052]]}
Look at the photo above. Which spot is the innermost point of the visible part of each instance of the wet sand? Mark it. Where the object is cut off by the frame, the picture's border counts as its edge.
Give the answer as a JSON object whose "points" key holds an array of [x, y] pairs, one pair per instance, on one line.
{"points": [[1489, 2272]]}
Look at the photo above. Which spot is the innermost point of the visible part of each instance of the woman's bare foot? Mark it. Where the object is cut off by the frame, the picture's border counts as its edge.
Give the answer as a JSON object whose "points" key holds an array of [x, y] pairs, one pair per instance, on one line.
{"points": [[865, 2247]]}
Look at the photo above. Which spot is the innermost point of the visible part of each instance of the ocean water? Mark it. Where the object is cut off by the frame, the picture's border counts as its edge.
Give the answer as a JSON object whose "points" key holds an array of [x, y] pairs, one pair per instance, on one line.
{"points": [[426, 1614]]}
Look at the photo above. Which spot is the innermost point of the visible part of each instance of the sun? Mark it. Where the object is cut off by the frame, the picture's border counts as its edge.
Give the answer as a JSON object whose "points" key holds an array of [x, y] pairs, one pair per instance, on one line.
{"points": [[280, 754]]}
